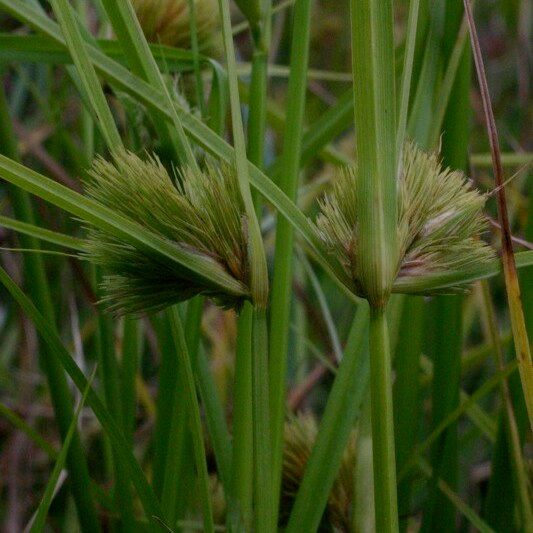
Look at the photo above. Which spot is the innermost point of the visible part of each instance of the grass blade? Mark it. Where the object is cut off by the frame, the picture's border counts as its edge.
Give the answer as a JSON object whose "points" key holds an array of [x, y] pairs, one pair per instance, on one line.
{"points": [[50, 337], [87, 75], [39, 521], [522, 347], [342, 409], [195, 420], [280, 309], [43, 234]]}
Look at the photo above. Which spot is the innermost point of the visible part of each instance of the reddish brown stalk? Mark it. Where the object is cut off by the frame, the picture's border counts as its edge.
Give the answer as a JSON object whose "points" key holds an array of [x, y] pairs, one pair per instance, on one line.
{"points": [[517, 240], [518, 324]]}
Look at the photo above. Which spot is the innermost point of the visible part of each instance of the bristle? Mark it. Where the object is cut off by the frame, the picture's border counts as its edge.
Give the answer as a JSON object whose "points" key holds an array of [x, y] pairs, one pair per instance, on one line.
{"points": [[203, 214], [168, 22], [299, 439], [440, 219]]}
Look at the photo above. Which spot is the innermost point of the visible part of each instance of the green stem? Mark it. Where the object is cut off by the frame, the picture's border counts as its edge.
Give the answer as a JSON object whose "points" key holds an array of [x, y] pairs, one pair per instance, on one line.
{"points": [[258, 102], [264, 497], [283, 261], [242, 465], [109, 374], [257, 258], [382, 424], [195, 420], [375, 124], [207, 388], [407, 402], [177, 472], [198, 84]]}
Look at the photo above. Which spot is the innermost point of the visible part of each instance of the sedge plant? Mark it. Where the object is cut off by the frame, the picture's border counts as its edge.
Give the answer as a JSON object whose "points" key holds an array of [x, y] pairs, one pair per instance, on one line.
{"points": [[165, 230], [439, 221], [381, 212]]}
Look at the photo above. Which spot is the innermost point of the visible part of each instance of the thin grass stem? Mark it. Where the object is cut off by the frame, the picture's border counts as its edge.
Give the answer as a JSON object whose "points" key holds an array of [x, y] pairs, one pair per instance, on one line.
{"points": [[283, 260], [195, 421], [382, 424], [518, 324], [264, 495]]}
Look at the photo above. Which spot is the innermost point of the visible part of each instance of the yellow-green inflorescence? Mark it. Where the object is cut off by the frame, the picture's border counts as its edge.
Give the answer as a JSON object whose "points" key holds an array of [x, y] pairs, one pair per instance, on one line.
{"points": [[440, 219], [299, 438], [168, 22], [200, 212]]}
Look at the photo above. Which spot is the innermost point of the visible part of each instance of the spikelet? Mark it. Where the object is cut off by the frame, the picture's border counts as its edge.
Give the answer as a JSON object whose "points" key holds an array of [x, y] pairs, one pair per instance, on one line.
{"points": [[299, 439], [202, 213], [440, 220], [168, 22]]}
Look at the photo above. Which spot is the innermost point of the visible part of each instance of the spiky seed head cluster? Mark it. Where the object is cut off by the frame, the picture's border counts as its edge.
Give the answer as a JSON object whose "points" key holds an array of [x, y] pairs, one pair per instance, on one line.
{"points": [[168, 22], [299, 439], [439, 220], [201, 212]]}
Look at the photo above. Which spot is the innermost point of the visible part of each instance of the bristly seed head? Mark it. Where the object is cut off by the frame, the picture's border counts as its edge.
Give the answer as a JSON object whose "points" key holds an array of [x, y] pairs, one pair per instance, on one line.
{"points": [[439, 220], [168, 22], [299, 438], [202, 213]]}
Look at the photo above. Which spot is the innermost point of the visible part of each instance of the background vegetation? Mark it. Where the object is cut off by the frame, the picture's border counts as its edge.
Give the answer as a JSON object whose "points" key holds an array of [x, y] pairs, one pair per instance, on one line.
{"points": [[181, 419]]}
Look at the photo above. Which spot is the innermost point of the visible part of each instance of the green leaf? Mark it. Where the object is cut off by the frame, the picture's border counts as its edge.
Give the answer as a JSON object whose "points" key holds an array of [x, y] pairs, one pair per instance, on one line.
{"points": [[41, 49], [43, 234], [77, 48], [39, 521], [111, 428], [343, 407]]}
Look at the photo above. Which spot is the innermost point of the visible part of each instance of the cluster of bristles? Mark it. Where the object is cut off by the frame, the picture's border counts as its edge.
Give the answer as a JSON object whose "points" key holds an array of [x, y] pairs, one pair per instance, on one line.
{"points": [[439, 220], [201, 212], [168, 22], [299, 440]]}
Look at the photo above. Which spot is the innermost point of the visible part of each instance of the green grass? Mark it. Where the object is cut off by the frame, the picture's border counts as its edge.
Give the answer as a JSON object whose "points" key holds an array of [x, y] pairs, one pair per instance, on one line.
{"points": [[240, 203]]}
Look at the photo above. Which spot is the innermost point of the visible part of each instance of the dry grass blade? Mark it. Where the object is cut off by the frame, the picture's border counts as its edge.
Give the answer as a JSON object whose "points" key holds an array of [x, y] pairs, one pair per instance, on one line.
{"points": [[518, 323]]}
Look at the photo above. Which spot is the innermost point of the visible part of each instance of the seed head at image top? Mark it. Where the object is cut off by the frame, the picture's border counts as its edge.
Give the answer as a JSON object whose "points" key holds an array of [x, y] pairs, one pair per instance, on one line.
{"points": [[168, 22]]}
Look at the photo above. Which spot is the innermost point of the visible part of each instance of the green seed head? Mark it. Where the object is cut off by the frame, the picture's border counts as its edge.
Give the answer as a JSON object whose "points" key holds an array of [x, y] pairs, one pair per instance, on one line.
{"points": [[168, 22], [202, 213], [299, 439], [439, 220]]}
